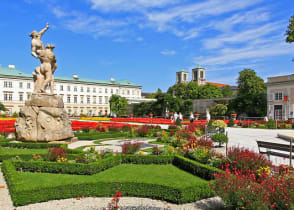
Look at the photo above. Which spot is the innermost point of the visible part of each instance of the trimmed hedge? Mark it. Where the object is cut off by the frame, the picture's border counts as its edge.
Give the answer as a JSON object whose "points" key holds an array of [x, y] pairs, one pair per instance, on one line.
{"points": [[31, 145], [67, 168], [195, 168], [94, 136], [23, 196]]}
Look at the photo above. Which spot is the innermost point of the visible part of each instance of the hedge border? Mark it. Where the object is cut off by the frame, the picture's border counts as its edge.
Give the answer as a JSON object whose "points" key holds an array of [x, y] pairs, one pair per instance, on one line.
{"points": [[175, 195]]}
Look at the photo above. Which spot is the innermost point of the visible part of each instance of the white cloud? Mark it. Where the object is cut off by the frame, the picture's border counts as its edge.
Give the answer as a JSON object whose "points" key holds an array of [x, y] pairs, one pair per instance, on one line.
{"points": [[128, 5], [59, 13], [168, 52]]}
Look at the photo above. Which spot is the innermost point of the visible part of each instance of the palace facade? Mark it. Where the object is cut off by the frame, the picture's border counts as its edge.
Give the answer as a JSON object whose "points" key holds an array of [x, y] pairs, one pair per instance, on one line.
{"points": [[80, 96]]}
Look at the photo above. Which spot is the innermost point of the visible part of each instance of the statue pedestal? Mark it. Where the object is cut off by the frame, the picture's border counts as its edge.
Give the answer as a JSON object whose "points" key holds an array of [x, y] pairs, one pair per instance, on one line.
{"points": [[43, 119]]}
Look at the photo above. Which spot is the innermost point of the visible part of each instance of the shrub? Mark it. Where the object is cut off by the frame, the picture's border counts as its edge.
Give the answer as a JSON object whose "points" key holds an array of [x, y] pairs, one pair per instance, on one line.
{"points": [[131, 148], [142, 131], [156, 151], [172, 127], [220, 138], [231, 122], [178, 122], [201, 155], [100, 128], [113, 128], [15, 115], [271, 124], [210, 123], [56, 152], [219, 124], [126, 128], [85, 129]]}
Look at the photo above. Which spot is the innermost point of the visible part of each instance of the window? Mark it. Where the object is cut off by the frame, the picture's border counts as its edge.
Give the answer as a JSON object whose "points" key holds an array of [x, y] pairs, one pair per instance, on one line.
{"points": [[123, 91], [61, 87], [106, 90], [20, 84], [201, 75], [94, 90], [75, 89], [82, 89], [185, 77], [75, 99], [133, 92], [10, 84], [100, 90], [94, 99], [20, 96], [28, 85], [278, 96], [128, 92], [68, 88], [111, 91], [88, 90], [106, 99], [7, 96], [68, 98], [88, 99], [5, 84], [28, 96], [117, 91], [61, 97], [100, 99], [82, 99]]}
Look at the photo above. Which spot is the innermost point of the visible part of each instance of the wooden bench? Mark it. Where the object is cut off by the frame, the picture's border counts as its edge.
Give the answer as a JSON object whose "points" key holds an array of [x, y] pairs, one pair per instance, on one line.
{"points": [[269, 146]]}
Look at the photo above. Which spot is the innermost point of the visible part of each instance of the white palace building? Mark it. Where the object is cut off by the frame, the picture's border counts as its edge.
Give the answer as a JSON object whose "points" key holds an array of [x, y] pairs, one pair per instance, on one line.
{"points": [[80, 96]]}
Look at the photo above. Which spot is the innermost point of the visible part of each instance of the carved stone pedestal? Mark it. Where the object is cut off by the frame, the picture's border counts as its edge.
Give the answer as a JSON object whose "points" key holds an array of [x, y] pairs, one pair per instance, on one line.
{"points": [[43, 119]]}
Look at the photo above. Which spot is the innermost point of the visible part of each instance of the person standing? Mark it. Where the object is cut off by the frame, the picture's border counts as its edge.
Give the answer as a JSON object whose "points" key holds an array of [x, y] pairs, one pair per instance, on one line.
{"points": [[176, 116], [180, 116], [191, 117]]}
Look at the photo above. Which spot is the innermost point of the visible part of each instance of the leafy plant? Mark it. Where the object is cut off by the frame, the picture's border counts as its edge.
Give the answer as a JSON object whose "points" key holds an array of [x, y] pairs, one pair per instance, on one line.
{"points": [[85, 129], [56, 152], [271, 124], [221, 138], [131, 148]]}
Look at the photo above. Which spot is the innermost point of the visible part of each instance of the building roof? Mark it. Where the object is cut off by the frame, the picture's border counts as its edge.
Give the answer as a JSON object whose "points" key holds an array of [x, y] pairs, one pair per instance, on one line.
{"points": [[13, 72], [198, 67], [183, 70], [217, 84]]}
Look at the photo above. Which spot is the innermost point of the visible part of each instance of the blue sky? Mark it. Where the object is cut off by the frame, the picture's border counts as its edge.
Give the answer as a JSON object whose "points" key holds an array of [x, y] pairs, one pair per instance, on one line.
{"points": [[147, 41]]}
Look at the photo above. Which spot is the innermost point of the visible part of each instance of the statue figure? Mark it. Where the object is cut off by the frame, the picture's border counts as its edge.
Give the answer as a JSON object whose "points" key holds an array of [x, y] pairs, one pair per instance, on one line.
{"points": [[207, 115], [36, 43], [43, 75]]}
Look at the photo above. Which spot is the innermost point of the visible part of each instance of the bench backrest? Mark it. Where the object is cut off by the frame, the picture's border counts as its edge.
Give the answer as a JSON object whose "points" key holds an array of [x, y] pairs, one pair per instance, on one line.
{"points": [[276, 146]]}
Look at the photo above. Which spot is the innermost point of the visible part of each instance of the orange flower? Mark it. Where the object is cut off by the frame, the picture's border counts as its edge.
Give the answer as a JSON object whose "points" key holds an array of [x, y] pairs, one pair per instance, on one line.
{"points": [[78, 198], [2, 186]]}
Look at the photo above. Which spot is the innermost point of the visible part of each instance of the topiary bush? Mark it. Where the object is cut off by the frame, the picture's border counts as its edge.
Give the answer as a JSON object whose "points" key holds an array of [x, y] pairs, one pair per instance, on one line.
{"points": [[271, 124], [220, 138], [231, 123]]}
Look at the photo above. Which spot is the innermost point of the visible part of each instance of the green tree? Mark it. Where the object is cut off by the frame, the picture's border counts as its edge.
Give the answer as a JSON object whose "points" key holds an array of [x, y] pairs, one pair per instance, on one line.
{"points": [[290, 31], [227, 92], [2, 107], [187, 107], [210, 91], [118, 104], [193, 90], [143, 108], [218, 109], [178, 90], [251, 97]]}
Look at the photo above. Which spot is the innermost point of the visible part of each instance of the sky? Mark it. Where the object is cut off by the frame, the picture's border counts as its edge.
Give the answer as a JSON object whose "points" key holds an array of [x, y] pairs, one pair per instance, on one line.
{"points": [[148, 41]]}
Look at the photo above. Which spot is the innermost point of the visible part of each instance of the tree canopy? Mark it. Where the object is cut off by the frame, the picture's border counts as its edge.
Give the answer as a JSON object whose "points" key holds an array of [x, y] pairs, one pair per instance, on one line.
{"points": [[118, 104], [251, 97], [227, 91], [290, 31], [2, 107], [219, 109], [210, 91]]}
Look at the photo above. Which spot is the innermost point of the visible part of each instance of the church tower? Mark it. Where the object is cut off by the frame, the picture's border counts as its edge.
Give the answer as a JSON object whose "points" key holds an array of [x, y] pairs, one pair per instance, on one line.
{"points": [[198, 75], [182, 76]]}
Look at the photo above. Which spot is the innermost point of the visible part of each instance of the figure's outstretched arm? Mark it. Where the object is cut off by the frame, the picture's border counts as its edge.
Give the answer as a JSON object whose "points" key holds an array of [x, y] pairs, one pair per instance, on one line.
{"points": [[44, 29]]}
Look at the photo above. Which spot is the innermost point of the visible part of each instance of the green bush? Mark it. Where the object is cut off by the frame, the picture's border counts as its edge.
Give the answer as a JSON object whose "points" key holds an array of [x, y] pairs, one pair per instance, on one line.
{"points": [[147, 159], [31, 145], [195, 168], [85, 129], [97, 135], [271, 124], [220, 138], [231, 122]]}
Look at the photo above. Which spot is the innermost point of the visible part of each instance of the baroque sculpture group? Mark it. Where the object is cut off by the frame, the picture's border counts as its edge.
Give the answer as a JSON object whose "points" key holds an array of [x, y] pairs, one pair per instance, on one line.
{"points": [[43, 118]]}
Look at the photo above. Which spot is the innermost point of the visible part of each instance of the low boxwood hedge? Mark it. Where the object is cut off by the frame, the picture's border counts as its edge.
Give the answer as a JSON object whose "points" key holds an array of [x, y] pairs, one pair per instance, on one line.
{"points": [[29, 145], [196, 168], [96, 135], [23, 196]]}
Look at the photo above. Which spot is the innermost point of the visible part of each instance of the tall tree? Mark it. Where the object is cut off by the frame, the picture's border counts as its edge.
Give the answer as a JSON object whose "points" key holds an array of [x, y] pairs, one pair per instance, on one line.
{"points": [[193, 90], [227, 92], [118, 104], [251, 97], [210, 91], [290, 32], [178, 90], [2, 107]]}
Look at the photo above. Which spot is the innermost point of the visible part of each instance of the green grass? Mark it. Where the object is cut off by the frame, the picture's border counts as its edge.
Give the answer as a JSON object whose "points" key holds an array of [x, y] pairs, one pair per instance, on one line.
{"points": [[167, 175], [158, 142], [147, 150]]}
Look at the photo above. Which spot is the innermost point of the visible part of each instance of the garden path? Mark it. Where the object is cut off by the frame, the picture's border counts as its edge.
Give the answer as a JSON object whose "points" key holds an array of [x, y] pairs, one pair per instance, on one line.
{"points": [[246, 137]]}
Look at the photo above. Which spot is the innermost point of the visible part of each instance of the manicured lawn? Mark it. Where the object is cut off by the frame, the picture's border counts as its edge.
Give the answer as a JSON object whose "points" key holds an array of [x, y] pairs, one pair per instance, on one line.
{"points": [[16, 151], [167, 175]]}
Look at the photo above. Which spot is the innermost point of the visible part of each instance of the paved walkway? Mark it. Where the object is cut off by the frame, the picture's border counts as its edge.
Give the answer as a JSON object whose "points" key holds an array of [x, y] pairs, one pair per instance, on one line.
{"points": [[246, 137]]}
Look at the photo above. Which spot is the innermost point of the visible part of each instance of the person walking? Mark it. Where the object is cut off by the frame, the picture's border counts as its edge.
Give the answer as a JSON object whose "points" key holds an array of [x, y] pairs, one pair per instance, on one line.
{"points": [[176, 116], [180, 116]]}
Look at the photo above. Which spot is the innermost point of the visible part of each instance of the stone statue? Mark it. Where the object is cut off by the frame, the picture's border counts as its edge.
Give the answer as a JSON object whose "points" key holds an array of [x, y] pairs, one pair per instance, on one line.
{"points": [[43, 75], [43, 118]]}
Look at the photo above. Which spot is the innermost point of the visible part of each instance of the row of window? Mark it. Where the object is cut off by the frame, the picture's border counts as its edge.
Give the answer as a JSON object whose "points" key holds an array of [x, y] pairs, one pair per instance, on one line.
{"points": [[9, 84], [8, 97]]}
